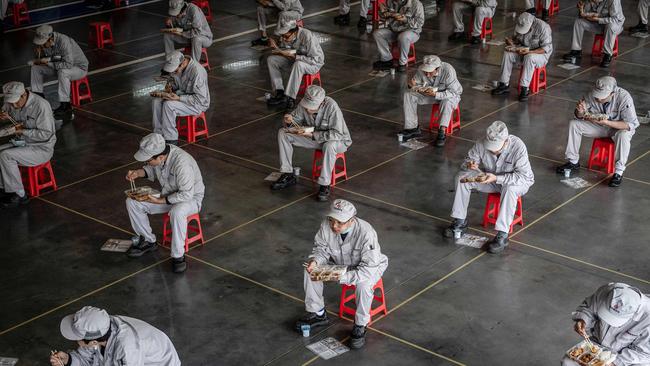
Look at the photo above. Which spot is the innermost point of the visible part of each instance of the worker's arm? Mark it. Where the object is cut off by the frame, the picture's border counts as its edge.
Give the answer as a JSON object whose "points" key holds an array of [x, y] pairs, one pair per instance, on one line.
{"points": [[638, 350], [45, 127], [370, 263], [67, 59], [185, 181], [149, 172], [199, 91], [587, 310], [335, 121], [415, 17], [81, 357], [282, 5], [474, 155], [615, 14], [522, 172], [321, 251], [546, 41], [314, 55], [452, 85], [128, 353], [196, 22]]}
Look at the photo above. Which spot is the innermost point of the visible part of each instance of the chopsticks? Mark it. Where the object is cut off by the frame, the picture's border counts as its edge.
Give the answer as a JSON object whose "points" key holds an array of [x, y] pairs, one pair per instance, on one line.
{"points": [[132, 185]]}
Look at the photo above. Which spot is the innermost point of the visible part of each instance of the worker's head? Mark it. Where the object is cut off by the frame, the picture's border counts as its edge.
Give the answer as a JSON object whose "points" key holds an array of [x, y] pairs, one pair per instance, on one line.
{"points": [[496, 137], [431, 65], [153, 150], [175, 62], [15, 94], [620, 305], [314, 97], [44, 36], [287, 29], [90, 327], [341, 216], [176, 7], [524, 23], [604, 89]]}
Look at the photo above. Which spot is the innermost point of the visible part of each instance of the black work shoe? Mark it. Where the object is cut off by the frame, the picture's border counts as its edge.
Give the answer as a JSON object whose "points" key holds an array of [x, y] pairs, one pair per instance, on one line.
{"points": [[639, 28], [499, 243], [457, 224], [442, 136], [285, 180], [64, 111], [531, 11], [179, 265], [358, 337], [172, 142], [616, 180], [545, 16], [382, 65], [607, 59], [475, 40], [401, 68], [14, 200], [323, 193], [573, 53], [262, 41], [291, 105], [456, 36], [342, 19], [523, 94], [313, 320], [410, 133], [501, 88], [141, 247], [568, 165], [278, 98], [362, 23]]}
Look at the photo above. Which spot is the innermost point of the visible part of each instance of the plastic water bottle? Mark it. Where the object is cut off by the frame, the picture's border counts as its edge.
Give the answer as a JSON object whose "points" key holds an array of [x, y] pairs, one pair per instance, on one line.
{"points": [[400, 137], [296, 171], [567, 173], [457, 234], [305, 328]]}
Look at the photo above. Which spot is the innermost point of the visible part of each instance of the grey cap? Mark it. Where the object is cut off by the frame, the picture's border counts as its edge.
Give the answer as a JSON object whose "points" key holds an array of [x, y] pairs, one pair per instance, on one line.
{"points": [[13, 90], [175, 7], [87, 323], [497, 134], [430, 63], [524, 22], [284, 26], [43, 33], [604, 87], [621, 304], [342, 210], [314, 96], [173, 60], [150, 145]]}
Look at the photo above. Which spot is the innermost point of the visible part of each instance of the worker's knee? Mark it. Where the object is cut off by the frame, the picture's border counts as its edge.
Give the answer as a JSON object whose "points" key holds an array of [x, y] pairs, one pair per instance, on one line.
{"points": [[329, 148], [131, 204], [575, 125], [623, 135]]}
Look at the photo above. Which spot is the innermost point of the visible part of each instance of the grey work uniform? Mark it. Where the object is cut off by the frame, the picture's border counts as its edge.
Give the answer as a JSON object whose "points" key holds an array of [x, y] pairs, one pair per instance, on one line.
{"points": [[192, 87], [620, 108], [39, 134], [360, 252], [538, 37], [514, 178], [344, 7], [331, 135], [480, 8], [447, 96], [182, 184], [132, 342], [405, 33], [309, 59], [531, 4], [73, 65], [631, 341], [643, 11], [285, 10], [610, 23], [4, 4], [196, 31]]}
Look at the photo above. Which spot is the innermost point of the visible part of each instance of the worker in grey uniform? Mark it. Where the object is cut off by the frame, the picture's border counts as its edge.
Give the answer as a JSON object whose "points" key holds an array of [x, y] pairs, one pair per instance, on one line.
{"points": [[616, 316], [196, 30], [481, 9], [404, 20], [111, 340], [642, 27], [284, 10], [433, 73], [344, 239], [599, 17], [190, 95], [344, 13], [621, 123], [34, 145], [330, 135], [506, 169], [181, 196], [534, 34], [57, 55], [299, 50], [532, 9]]}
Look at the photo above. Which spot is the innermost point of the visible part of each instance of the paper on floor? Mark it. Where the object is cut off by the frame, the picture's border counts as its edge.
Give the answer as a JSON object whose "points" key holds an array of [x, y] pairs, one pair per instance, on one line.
{"points": [[8, 361], [473, 241], [328, 348], [414, 144], [576, 183], [273, 176], [494, 42], [640, 35], [568, 66], [378, 73], [116, 245], [483, 87]]}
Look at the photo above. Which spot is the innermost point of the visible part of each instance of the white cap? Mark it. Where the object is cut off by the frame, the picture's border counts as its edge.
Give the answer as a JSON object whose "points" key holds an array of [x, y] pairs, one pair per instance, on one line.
{"points": [[604, 87], [285, 26], [175, 7], [524, 22], [314, 96], [430, 63], [497, 134], [13, 90], [43, 33], [150, 146], [87, 323], [173, 60], [621, 304], [342, 210]]}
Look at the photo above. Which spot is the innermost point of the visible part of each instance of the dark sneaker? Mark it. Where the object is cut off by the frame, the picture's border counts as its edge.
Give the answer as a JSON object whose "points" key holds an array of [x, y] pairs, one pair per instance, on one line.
{"points": [[639, 28], [64, 111], [285, 180], [358, 337], [401, 68], [382, 65], [410, 133], [607, 59], [501, 89], [616, 180], [456, 36], [323, 193], [362, 23], [14, 200], [475, 40], [568, 165], [343, 19], [523, 94], [531, 11], [545, 16], [172, 142], [313, 320], [141, 247], [262, 41], [577, 54], [442, 136], [457, 224], [291, 105], [179, 265], [499, 243], [278, 98]]}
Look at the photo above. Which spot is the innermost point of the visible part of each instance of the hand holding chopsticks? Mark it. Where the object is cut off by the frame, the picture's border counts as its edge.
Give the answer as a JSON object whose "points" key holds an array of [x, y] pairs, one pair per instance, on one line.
{"points": [[55, 358]]}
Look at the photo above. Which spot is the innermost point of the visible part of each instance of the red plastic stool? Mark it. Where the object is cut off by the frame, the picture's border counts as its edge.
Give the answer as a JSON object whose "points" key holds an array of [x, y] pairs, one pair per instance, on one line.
{"points": [[205, 7], [21, 13], [454, 124], [344, 309], [340, 170], [191, 129], [374, 10], [204, 55], [38, 178], [118, 3], [486, 27], [554, 8], [77, 95], [599, 42], [538, 82], [307, 80], [100, 34], [194, 229], [602, 154], [411, 55], [492, 211]]}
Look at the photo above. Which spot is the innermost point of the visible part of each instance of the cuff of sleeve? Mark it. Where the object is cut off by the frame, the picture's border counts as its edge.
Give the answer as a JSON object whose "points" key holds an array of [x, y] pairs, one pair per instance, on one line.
{"points": [[500, 179], [345, 279], [184, 98], [167, 200]]}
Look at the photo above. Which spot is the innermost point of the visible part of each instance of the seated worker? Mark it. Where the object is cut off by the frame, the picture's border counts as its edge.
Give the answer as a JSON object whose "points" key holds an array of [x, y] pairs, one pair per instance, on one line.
{"points": [[404, 20], [621, 123], [196, 32], [57, 55], [480, 9], [330, 135], [283, 10], [189, 94], [300, 52], [181, 196], [344, 13], [108, 340], [599, 17], [535, 35], [433, 73], [642, 27], [531, 8], [34, 144], [504, 161], [616, 316], [344, 239]]}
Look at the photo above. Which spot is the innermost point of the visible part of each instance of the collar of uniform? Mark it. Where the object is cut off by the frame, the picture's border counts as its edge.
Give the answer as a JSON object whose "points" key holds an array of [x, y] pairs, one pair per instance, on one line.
{"points": [[30, 100], [172, 153], [507, 147]]}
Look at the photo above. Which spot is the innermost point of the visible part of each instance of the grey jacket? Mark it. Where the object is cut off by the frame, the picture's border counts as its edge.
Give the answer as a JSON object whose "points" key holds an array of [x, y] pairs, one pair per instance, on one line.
{"points": [[446, 81], [179, 177], [192, 85], [609, 11], [289, 5], [328, 123], [620, 108], [511, 167], [486, 3], [307, 47], [38, 122], [69, 51], [412, 10], [539, 36], [193, 22]]}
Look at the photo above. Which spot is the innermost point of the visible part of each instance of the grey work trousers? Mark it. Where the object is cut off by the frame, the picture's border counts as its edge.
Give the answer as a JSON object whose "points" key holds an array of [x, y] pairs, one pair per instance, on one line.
{"points": [[643, 11], [195, 43], [480, 13], [11, 157], [344, 7], [65, 76], [165, 113], [277, 64], [413, 99], [610, 30], [263, 13], [385, 37], [529, 61]]}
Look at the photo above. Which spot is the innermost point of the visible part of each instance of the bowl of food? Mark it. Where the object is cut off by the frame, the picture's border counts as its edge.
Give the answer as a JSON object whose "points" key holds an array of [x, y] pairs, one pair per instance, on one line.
{"points": [[480, 178], [141, 193]]}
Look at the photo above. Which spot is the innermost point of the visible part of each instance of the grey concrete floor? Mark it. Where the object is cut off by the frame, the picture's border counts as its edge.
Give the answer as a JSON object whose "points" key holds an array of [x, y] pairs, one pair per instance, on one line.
{"points": [[236, 304]]}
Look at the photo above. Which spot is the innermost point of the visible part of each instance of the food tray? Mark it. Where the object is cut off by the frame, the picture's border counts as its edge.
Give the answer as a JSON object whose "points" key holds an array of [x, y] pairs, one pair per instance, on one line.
{"points": [[299, 131], [160, 94], [327, 272], [475, 179], [141, 193], [425, 89], [596, 116], [584, 355], [281, 50], [172, 30], [517, 49]]}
